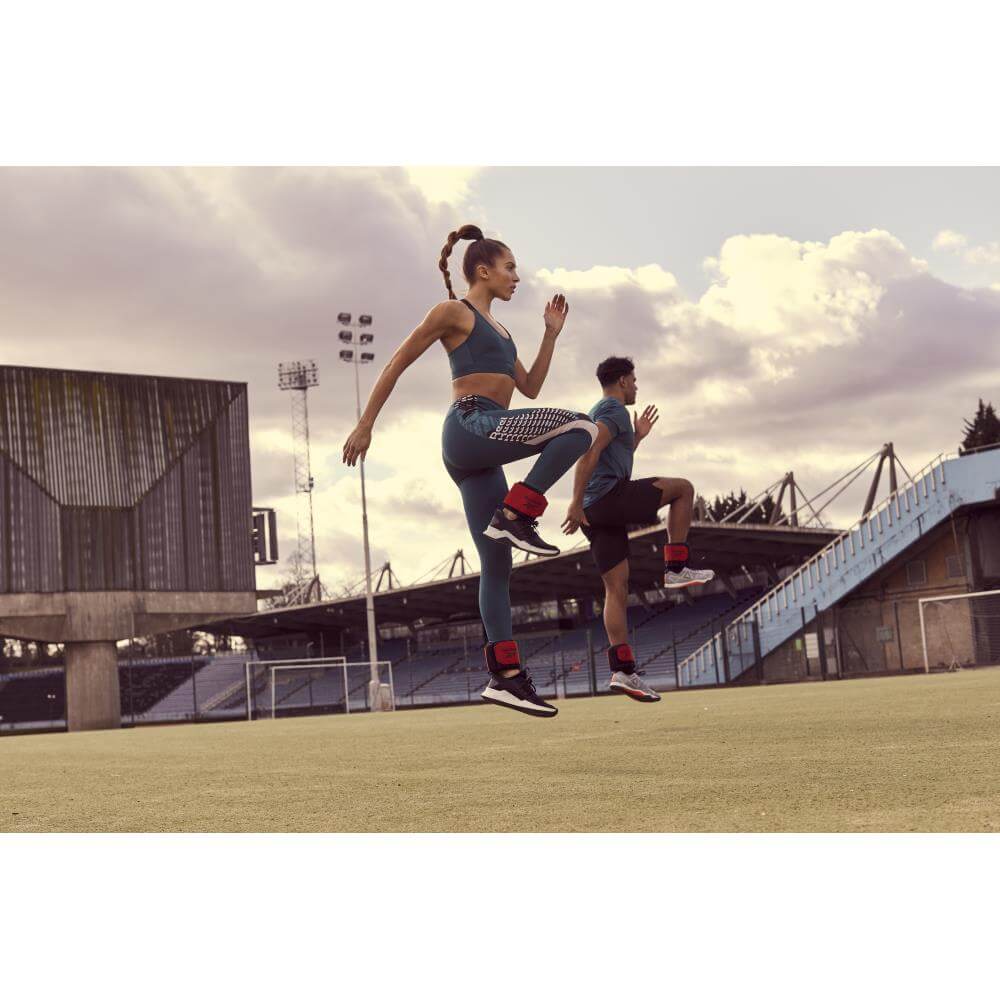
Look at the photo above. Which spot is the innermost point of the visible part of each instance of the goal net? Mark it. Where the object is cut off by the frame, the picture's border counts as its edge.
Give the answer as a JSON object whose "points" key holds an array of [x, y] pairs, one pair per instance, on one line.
{"points": [[962, 630], [282, 688]]}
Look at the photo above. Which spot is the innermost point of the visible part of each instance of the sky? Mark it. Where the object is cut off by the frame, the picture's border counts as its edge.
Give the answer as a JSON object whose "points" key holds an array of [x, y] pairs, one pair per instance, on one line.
{"points": [[781, 318]]}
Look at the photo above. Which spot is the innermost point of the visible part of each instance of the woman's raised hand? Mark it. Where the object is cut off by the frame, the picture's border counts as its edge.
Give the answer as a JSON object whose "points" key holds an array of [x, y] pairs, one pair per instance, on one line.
{"points": [[555, 314]]}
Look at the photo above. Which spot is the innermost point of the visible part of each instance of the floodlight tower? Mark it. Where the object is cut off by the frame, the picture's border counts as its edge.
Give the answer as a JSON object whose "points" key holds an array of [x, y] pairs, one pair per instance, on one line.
{"points": [[300, 377], [351, 356]]}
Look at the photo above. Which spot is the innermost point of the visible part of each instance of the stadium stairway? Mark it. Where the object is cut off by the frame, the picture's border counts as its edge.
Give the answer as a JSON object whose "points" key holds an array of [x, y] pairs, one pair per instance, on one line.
{"points": [[216, 676], [941, 487]]}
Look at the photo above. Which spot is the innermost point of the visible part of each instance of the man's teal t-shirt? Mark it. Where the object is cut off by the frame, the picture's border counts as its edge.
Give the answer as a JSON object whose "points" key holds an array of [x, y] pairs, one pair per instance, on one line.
{"points": [[615, 463]]}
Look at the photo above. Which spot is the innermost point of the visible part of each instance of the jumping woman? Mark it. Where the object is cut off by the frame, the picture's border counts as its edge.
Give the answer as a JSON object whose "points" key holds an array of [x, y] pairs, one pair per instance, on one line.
{"points": [[481, 435]]}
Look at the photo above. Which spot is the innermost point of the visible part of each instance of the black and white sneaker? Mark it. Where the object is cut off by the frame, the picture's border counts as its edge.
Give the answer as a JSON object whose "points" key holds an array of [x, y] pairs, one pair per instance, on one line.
{"points": [[518, 693], [520, 532]]}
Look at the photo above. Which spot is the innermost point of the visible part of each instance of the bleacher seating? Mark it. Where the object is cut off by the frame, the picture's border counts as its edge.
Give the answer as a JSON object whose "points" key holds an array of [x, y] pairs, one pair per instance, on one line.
{"points": [[195, 696], [144, 683], [165, 690], [558, 664], [33, 699], [37, 698]]}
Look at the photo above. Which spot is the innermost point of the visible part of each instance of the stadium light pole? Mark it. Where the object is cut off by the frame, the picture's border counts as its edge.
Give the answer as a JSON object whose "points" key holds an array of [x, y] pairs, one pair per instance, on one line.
{"points": [[354, 357]]}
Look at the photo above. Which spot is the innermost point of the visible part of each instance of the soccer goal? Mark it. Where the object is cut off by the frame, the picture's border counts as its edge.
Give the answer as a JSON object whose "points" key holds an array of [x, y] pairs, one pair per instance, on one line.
{"points": [[281, 688], [961, 630]]}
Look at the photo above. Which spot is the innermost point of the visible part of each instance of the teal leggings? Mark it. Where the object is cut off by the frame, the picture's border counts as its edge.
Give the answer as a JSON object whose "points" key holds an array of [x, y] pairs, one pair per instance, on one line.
{"points": [[480, 437]]}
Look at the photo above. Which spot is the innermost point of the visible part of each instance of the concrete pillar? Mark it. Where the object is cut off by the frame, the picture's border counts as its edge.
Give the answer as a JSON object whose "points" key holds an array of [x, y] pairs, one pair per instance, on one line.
{"points": [[92, 698]]}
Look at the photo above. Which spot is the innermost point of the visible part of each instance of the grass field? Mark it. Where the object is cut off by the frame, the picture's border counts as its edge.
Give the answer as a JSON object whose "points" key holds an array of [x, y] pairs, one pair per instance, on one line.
{"points": [[913, 753]]}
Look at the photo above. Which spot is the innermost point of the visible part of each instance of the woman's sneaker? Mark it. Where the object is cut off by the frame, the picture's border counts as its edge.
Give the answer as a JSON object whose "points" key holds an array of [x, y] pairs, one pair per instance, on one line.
{"points": [[687, 577], [634, 685], [517, 692], [520, 532]]}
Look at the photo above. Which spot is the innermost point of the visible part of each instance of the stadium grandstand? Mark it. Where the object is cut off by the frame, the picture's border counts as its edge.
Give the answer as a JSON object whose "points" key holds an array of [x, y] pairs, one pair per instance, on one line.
{"points": [[790, 603]]}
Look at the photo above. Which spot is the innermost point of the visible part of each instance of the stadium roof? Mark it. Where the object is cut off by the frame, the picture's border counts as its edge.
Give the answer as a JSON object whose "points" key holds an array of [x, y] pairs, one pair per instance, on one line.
{"points": [[726, 548]]}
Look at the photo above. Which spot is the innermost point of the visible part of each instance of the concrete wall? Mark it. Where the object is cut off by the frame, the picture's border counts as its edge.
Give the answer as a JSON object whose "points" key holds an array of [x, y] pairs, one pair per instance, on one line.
{"points": [[876, 629], [889, 602], [93, 700]]}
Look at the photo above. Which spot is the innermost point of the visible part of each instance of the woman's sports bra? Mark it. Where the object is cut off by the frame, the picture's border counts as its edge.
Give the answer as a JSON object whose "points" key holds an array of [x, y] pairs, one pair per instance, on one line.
{"points": [[484, 351]]}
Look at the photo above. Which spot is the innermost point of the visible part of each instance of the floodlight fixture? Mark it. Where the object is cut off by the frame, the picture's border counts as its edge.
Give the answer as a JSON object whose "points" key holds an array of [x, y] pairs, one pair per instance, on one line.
{"points": [[297, 374]]}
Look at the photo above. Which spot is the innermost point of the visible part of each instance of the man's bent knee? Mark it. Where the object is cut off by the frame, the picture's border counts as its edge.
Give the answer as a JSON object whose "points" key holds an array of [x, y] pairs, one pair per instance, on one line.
{"points": [[674, 489]]}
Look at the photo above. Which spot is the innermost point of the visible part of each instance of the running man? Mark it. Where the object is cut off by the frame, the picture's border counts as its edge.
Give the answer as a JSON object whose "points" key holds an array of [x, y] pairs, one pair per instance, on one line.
{"points": [[481, 435], [606, 500]]}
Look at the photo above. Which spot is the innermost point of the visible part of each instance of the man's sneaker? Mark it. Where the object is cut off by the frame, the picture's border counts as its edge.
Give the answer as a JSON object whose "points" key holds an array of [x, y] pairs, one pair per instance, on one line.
{"points": [[687, 577], [518, 693], [634, 685], [520, 532]]}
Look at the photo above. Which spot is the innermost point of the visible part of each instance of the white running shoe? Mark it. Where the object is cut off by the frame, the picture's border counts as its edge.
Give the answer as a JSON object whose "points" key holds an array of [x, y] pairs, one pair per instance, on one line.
{"points": [[687, 577], [633, 685]]}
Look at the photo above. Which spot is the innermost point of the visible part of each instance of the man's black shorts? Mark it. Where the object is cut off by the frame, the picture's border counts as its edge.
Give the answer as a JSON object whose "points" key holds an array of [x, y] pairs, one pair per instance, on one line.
{"points": [[633, 502]]}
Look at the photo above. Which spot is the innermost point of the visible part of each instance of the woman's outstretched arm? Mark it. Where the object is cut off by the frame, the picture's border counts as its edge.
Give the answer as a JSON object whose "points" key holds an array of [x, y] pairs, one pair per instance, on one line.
{"points": [[435, 324]]}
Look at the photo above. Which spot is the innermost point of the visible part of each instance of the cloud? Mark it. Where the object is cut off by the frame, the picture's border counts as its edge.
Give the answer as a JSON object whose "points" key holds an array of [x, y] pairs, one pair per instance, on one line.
{"points": [[444, 184], [987, 254], [948, 239], [787, 298], [649, 278], [983, 255], [804, 355]]}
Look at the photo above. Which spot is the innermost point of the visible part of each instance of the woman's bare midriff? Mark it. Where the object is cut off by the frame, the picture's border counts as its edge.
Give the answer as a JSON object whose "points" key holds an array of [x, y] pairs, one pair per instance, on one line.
{"points": [[499, 388]]}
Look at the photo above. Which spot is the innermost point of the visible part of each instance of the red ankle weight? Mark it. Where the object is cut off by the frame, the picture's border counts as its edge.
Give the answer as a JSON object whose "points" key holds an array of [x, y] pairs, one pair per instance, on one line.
{"points": [[502, 655], [676, 556], [621, 657], [524, 500]]}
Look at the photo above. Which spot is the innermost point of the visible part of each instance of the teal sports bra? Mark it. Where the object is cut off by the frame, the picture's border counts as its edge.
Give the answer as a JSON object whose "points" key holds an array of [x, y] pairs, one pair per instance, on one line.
{"points": [[484, 351]]}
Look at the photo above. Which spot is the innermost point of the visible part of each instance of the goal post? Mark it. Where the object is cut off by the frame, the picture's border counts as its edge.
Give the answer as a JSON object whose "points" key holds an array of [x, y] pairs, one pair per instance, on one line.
{"points": [[960, 630], [317, 686], [363, 694], [251, 665]]}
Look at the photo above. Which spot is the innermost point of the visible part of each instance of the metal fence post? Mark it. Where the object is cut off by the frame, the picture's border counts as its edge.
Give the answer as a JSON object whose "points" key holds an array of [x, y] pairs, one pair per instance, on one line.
{"points": [[590, 662], [823, 669], [194, 689], [805, 647], [758, 658], [677, 675], [562, 663], [131, 691], [724, 639], [899, 638]]}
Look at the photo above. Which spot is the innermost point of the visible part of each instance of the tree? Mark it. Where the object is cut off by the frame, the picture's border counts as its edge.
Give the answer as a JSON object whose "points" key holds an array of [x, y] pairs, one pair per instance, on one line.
{"points": [[983, 430], [721, 507]]}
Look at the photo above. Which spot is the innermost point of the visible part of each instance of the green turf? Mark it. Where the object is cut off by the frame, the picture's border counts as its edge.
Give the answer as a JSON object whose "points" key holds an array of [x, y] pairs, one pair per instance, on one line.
{"points": [[913, 753]]}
